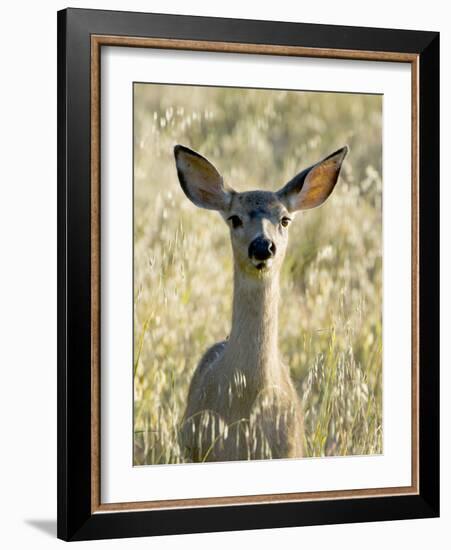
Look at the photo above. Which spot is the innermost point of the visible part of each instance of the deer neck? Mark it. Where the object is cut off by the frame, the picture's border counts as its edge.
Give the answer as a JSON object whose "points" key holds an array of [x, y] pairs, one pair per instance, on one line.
{"points": [[253, 343]]}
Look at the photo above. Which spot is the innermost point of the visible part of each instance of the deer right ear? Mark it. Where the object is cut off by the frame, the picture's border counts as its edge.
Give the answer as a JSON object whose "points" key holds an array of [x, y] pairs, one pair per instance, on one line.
{"points": [[314, 185], [200, 180]]}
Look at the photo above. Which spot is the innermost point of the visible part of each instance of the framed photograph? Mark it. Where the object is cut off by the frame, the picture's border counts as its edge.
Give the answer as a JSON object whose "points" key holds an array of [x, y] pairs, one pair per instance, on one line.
{"points": [[248, 274]]}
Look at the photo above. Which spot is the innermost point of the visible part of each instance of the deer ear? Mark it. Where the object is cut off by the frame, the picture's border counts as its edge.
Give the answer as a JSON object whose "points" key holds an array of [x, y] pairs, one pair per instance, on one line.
{"points": [[200, 180], [311, 187]]}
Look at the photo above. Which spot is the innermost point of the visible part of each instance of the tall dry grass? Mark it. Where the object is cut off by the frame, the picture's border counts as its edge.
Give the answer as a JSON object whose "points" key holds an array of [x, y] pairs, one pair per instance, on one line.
{"points": [[330, 310]]}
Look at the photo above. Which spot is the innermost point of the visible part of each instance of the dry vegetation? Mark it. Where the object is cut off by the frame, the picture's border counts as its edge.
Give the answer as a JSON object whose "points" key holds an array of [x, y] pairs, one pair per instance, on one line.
{"points": [[330, 314]]}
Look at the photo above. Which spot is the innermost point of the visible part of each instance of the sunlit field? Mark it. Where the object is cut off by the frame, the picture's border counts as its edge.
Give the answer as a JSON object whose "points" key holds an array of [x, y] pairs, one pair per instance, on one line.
{"points": [[330, 331]]}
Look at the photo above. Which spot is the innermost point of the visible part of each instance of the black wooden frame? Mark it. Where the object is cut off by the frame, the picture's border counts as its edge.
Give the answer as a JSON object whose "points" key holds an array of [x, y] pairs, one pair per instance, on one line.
{"points": [[75, 520]]}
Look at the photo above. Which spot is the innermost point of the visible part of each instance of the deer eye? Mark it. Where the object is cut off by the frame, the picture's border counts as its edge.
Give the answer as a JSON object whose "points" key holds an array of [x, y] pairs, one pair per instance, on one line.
{"points": [[285, 221], [236, 221]]}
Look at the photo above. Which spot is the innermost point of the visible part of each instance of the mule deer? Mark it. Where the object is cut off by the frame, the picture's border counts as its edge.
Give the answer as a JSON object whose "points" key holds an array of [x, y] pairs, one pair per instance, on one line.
{"points": [[242, 403]]}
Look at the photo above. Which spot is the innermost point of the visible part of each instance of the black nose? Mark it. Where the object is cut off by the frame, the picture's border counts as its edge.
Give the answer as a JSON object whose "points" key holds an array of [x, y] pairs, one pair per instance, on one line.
{"points": [[261, 249]]}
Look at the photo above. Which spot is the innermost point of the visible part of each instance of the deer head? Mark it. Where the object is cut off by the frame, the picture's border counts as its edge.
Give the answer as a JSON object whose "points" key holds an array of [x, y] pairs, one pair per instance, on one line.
{"points": [[258, 220]]}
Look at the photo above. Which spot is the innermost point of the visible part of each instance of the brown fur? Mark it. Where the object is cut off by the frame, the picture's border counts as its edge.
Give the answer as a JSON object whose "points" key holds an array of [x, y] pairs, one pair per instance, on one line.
{"points": [[242, 403]]}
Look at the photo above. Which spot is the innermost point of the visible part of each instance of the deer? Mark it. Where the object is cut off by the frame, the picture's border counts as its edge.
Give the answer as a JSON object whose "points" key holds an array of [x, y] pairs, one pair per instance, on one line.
{"points": [[242, 403]]}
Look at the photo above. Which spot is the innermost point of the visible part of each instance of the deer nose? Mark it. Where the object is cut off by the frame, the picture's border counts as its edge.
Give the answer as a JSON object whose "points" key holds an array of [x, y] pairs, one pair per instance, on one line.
{"points": [[261, 249]]}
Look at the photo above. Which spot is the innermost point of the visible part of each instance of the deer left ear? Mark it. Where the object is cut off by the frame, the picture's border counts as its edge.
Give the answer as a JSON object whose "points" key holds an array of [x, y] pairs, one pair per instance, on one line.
{"points": [[312, 187], [200, 180]]}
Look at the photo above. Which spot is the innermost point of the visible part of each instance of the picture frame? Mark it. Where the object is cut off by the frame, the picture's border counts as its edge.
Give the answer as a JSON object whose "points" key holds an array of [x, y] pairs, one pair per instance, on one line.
{"points": [[81, 36]]}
